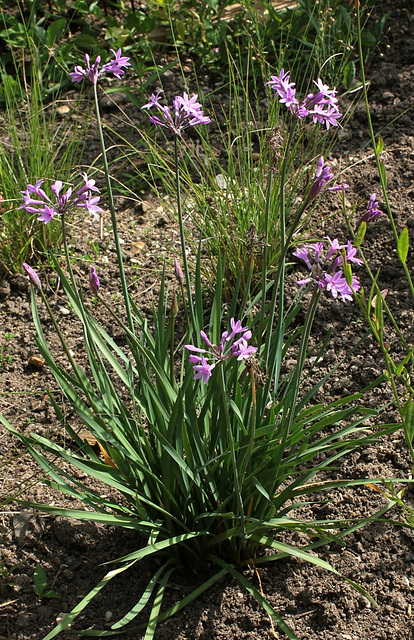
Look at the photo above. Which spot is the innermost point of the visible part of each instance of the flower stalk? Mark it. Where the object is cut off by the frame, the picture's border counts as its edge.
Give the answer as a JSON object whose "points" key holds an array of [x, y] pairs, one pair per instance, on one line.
{"points": [[113, 214]]}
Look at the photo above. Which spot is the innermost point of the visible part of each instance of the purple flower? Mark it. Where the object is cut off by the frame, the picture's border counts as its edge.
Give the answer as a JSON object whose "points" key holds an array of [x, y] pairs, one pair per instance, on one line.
{"points": [[325, 268], [94, 73], [187, 112], [322, 176], [322, 106], [203, 370], [372, 211], [230, 345], [94, 281], [37, 201], [33, 277]]}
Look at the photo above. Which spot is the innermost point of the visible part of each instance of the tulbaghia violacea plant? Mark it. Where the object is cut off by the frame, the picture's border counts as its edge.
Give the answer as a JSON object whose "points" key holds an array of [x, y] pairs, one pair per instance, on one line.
{"points": [[95, 72], [325, 267], [94, 283], [35, 200], [33, 276], [372, 212], [186, 112], [322, 177], [322, 105], [230, 347], [212, 448]]}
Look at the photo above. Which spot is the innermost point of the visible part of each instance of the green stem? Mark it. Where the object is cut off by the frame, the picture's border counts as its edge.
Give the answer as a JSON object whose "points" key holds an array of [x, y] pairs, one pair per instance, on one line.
{"points": [[173, 316], [269, 189], [232, 450], [278, 285], [293, 389], [113, 215], [187, 317], [374, 280], [182, 235], [245, 466], [380, 166], [383, 181], [68, 260]]}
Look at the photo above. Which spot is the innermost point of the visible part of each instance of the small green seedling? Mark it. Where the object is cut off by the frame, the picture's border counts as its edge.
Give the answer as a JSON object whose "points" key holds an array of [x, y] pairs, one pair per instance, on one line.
{"points": [[40, 584], [6, 573]]}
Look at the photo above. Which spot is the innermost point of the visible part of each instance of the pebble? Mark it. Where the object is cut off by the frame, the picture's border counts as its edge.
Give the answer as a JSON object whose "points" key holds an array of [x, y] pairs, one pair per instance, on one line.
{"points": [[62, 111]]}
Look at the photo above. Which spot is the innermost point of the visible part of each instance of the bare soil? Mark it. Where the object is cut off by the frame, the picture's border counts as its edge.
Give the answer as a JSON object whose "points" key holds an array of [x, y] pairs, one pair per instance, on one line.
{"points": [[316, 604]]}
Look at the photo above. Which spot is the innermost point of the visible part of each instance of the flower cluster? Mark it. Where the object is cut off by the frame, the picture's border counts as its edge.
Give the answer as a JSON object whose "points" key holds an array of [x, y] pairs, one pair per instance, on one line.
{"points": [[187, 112], [325, 269], [322, 105], [94, 73], [230, 346], [372, 212], [322, 176], [37, 201]]}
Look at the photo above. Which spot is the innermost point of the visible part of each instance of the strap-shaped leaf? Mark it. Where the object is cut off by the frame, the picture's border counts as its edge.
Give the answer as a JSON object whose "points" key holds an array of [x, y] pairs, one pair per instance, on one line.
{"points": [[403, 245]]}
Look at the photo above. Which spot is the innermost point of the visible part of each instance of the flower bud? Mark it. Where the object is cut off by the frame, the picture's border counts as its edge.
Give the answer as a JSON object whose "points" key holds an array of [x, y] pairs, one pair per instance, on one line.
{"points": [[174, 306], [33, 277], [178, 271], [94, 281]]}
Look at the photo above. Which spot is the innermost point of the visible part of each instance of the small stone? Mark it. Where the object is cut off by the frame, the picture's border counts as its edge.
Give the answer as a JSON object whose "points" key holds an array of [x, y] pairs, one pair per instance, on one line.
{"points": [[108, 616], [62, 111], [64, 311], [145, 206], [137, 247], [36, 361]]}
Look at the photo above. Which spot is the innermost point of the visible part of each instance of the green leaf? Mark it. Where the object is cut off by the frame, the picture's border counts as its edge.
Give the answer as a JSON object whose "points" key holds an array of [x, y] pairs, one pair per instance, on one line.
{"points": [[360, 234], [349, 74], [155, 612], [380, 145], [40, 580], [55, 31], [383, 174], [409, 420], [258, 596], [308, 557], [142, 602], [403, 245], [86, 600], [348, 274]]}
